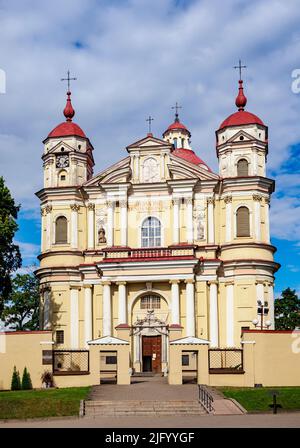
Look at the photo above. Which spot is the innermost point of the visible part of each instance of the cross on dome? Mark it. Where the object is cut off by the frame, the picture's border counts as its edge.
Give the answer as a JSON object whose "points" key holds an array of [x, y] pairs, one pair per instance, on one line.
{"points": [[241, 99], [176, 107]]}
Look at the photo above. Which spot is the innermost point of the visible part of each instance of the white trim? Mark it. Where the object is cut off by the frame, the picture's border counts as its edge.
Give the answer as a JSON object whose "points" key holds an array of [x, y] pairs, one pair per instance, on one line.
{"points": [[107, 315], [88, 314], [46, 343], [140, 294], [74, 318], [190, 309], [147, 215], [122, 309], [230, 315], [251, 218], [248, 342], [190, 341], [213, 315], [108, 340]]}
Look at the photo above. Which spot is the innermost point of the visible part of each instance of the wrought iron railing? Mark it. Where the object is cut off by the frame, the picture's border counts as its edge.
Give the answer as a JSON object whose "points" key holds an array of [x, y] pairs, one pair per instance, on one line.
{"points": [[225, 360], [71, 362], [205, 398]]}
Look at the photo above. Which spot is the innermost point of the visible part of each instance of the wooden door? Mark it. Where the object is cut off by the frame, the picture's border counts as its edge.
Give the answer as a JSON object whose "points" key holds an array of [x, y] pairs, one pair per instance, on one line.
{"points": [[152, 352]]}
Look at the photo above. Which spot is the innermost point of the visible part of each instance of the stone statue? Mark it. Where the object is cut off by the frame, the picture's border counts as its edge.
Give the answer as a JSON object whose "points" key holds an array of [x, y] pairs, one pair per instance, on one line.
{"points": [[200, 231], [101, 235]]}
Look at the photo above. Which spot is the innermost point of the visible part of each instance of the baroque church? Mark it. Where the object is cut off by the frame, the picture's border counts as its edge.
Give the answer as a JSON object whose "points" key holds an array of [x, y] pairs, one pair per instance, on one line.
{"points": [[157, 244]]}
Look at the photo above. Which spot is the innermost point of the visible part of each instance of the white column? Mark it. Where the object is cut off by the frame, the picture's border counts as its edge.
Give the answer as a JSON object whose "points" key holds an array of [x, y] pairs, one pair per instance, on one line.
{"points": [[47, 323], [74, 225], [255, 163], [91, 226], [162, 165], [267, 221], [271, 305], [259, 296], [175, 302], [106, 309], [88, 314], [74, 318], [48, 210], [210, 217], [190, 308], [176, 220], [122, 315], [229, 315], [137, 167], [189, 220], [257, 199], [123, 222], [228, 202], [42, 228], [136, 348], [213, 315], [110, 223]]}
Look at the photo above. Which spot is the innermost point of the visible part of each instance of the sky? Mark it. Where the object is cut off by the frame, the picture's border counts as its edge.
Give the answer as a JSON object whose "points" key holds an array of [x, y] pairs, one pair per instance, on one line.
{"points": [[133, 58]]}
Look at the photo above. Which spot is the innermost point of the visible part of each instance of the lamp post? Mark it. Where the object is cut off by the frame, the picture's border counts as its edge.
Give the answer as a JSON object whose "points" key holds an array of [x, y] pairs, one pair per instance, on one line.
{"points": [[262, 309]]}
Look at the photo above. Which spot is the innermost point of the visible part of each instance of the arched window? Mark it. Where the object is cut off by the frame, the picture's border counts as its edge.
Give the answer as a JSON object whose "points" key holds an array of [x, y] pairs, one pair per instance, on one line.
{"points": [[61, 230], [243, 222], [242, 168], [151, 232], [150, 302]]}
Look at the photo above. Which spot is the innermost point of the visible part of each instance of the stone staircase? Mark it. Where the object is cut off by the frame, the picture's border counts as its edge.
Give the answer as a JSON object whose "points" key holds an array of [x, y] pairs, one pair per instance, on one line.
{"points": [[118, 408]]}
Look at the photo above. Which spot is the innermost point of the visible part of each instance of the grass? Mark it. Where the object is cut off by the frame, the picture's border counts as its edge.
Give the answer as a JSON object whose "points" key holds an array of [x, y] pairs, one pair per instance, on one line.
{"points": [[41, 403], [259, 399]]}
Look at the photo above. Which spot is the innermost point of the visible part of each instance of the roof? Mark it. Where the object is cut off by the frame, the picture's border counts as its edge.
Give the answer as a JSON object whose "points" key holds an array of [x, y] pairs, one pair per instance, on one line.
{"points": [[240, 118], [108, 340], [67, 128], [177, 125], [190, 340], [189, 156]]}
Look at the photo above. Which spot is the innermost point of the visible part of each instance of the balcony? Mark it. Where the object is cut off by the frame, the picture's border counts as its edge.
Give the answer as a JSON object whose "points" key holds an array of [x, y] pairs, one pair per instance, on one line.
{"points": [[149, 253]]}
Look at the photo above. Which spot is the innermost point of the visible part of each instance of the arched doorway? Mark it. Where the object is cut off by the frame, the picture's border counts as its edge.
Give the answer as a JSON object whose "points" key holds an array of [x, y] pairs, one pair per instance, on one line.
{"points": [[150, 335]]}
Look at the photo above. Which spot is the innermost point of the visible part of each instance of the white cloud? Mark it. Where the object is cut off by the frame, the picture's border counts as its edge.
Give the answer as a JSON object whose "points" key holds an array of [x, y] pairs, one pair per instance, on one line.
{"points": [[139, 57], [29, 251]]}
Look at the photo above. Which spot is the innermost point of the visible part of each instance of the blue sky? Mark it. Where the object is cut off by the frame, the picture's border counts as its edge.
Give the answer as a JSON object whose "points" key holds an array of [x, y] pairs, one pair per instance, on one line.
{"points": [[138, 57]]}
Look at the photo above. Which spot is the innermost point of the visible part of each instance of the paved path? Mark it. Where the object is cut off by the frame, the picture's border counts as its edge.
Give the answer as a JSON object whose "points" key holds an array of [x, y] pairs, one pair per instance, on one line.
{"points": [[145, 388], [287, 420]]}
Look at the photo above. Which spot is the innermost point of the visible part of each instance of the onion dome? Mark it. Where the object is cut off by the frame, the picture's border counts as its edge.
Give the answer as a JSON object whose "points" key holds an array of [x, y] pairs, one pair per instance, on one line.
{"points": [[241, 117], [67, 128]]}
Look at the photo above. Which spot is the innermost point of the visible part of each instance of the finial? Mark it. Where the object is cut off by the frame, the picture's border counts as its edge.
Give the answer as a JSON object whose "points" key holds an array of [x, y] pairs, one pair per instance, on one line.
{"points": [[69, 112], [241, 100], [176, 107]]}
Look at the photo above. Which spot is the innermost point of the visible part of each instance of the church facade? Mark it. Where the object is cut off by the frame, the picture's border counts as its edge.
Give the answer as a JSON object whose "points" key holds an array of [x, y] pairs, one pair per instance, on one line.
{"points": [[157, 244]]}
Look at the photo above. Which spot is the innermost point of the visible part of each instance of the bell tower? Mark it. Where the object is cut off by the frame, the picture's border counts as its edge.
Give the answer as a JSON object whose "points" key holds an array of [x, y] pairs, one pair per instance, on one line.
{"points": [[68, 153]]}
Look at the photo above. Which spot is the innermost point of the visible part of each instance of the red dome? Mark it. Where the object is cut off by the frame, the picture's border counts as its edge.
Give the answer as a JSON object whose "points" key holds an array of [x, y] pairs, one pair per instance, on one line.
{"points": [[241, 118], [177, 125], [67, 128], [189, 156]]}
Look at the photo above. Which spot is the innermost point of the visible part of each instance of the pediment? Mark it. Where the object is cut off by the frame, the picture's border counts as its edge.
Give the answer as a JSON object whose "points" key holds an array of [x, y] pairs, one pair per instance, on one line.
{"points": [[181, 169], [119, 172], [108, 340], [190, 340], [57, 148], [236, 138], [149, 142]]}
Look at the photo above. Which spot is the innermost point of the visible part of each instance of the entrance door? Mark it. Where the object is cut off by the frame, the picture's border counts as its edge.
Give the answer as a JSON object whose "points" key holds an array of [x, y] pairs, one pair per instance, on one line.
{"points": [[151, 354]]}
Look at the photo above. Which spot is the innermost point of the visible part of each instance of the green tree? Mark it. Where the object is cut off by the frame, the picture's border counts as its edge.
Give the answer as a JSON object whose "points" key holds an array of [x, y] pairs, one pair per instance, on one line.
{"points": [[26, 380], [287, 310], [15, 381], [21, 311], [10, 257]]}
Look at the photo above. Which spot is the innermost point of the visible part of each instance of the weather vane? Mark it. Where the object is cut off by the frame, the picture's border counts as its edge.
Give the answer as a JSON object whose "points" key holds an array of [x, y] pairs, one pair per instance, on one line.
{"points": [[68, 79], [240, 66]]}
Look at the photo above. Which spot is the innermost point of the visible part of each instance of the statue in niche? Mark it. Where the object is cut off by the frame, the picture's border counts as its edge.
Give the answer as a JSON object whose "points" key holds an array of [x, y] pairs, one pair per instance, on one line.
{"points": [[101, 235], [200, 230]]}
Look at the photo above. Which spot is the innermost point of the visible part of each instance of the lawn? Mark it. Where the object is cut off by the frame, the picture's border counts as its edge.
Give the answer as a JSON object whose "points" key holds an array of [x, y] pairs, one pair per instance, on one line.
{"points": [[41, 403], [259, 399]]}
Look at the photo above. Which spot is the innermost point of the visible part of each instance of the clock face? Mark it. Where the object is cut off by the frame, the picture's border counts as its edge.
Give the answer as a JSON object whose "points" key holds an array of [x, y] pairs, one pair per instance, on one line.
{"points": [[62, 161]]}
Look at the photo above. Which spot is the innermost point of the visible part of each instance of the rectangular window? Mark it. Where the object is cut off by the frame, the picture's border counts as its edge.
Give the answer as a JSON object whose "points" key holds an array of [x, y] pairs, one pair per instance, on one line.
{"points": [[46, 357], [60, 337], [185, 360], [111, 360]]}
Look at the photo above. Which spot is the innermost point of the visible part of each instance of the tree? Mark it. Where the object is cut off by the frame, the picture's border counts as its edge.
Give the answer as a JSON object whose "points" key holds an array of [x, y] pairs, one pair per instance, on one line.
{"points": [[287, 310], [15, 381], [10, 257], [26, 380], [21, 311]]}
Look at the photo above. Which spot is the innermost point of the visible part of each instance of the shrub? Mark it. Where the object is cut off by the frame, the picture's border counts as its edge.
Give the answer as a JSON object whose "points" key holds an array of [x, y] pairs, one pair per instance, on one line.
{"points": [[26, 380], [15, 381], [47, 379]]}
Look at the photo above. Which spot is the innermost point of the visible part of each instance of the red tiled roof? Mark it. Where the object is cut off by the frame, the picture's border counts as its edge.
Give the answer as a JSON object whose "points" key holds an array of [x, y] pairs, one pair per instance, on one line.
{"points": [[189, 156], [67, 128], [240, 118]]}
